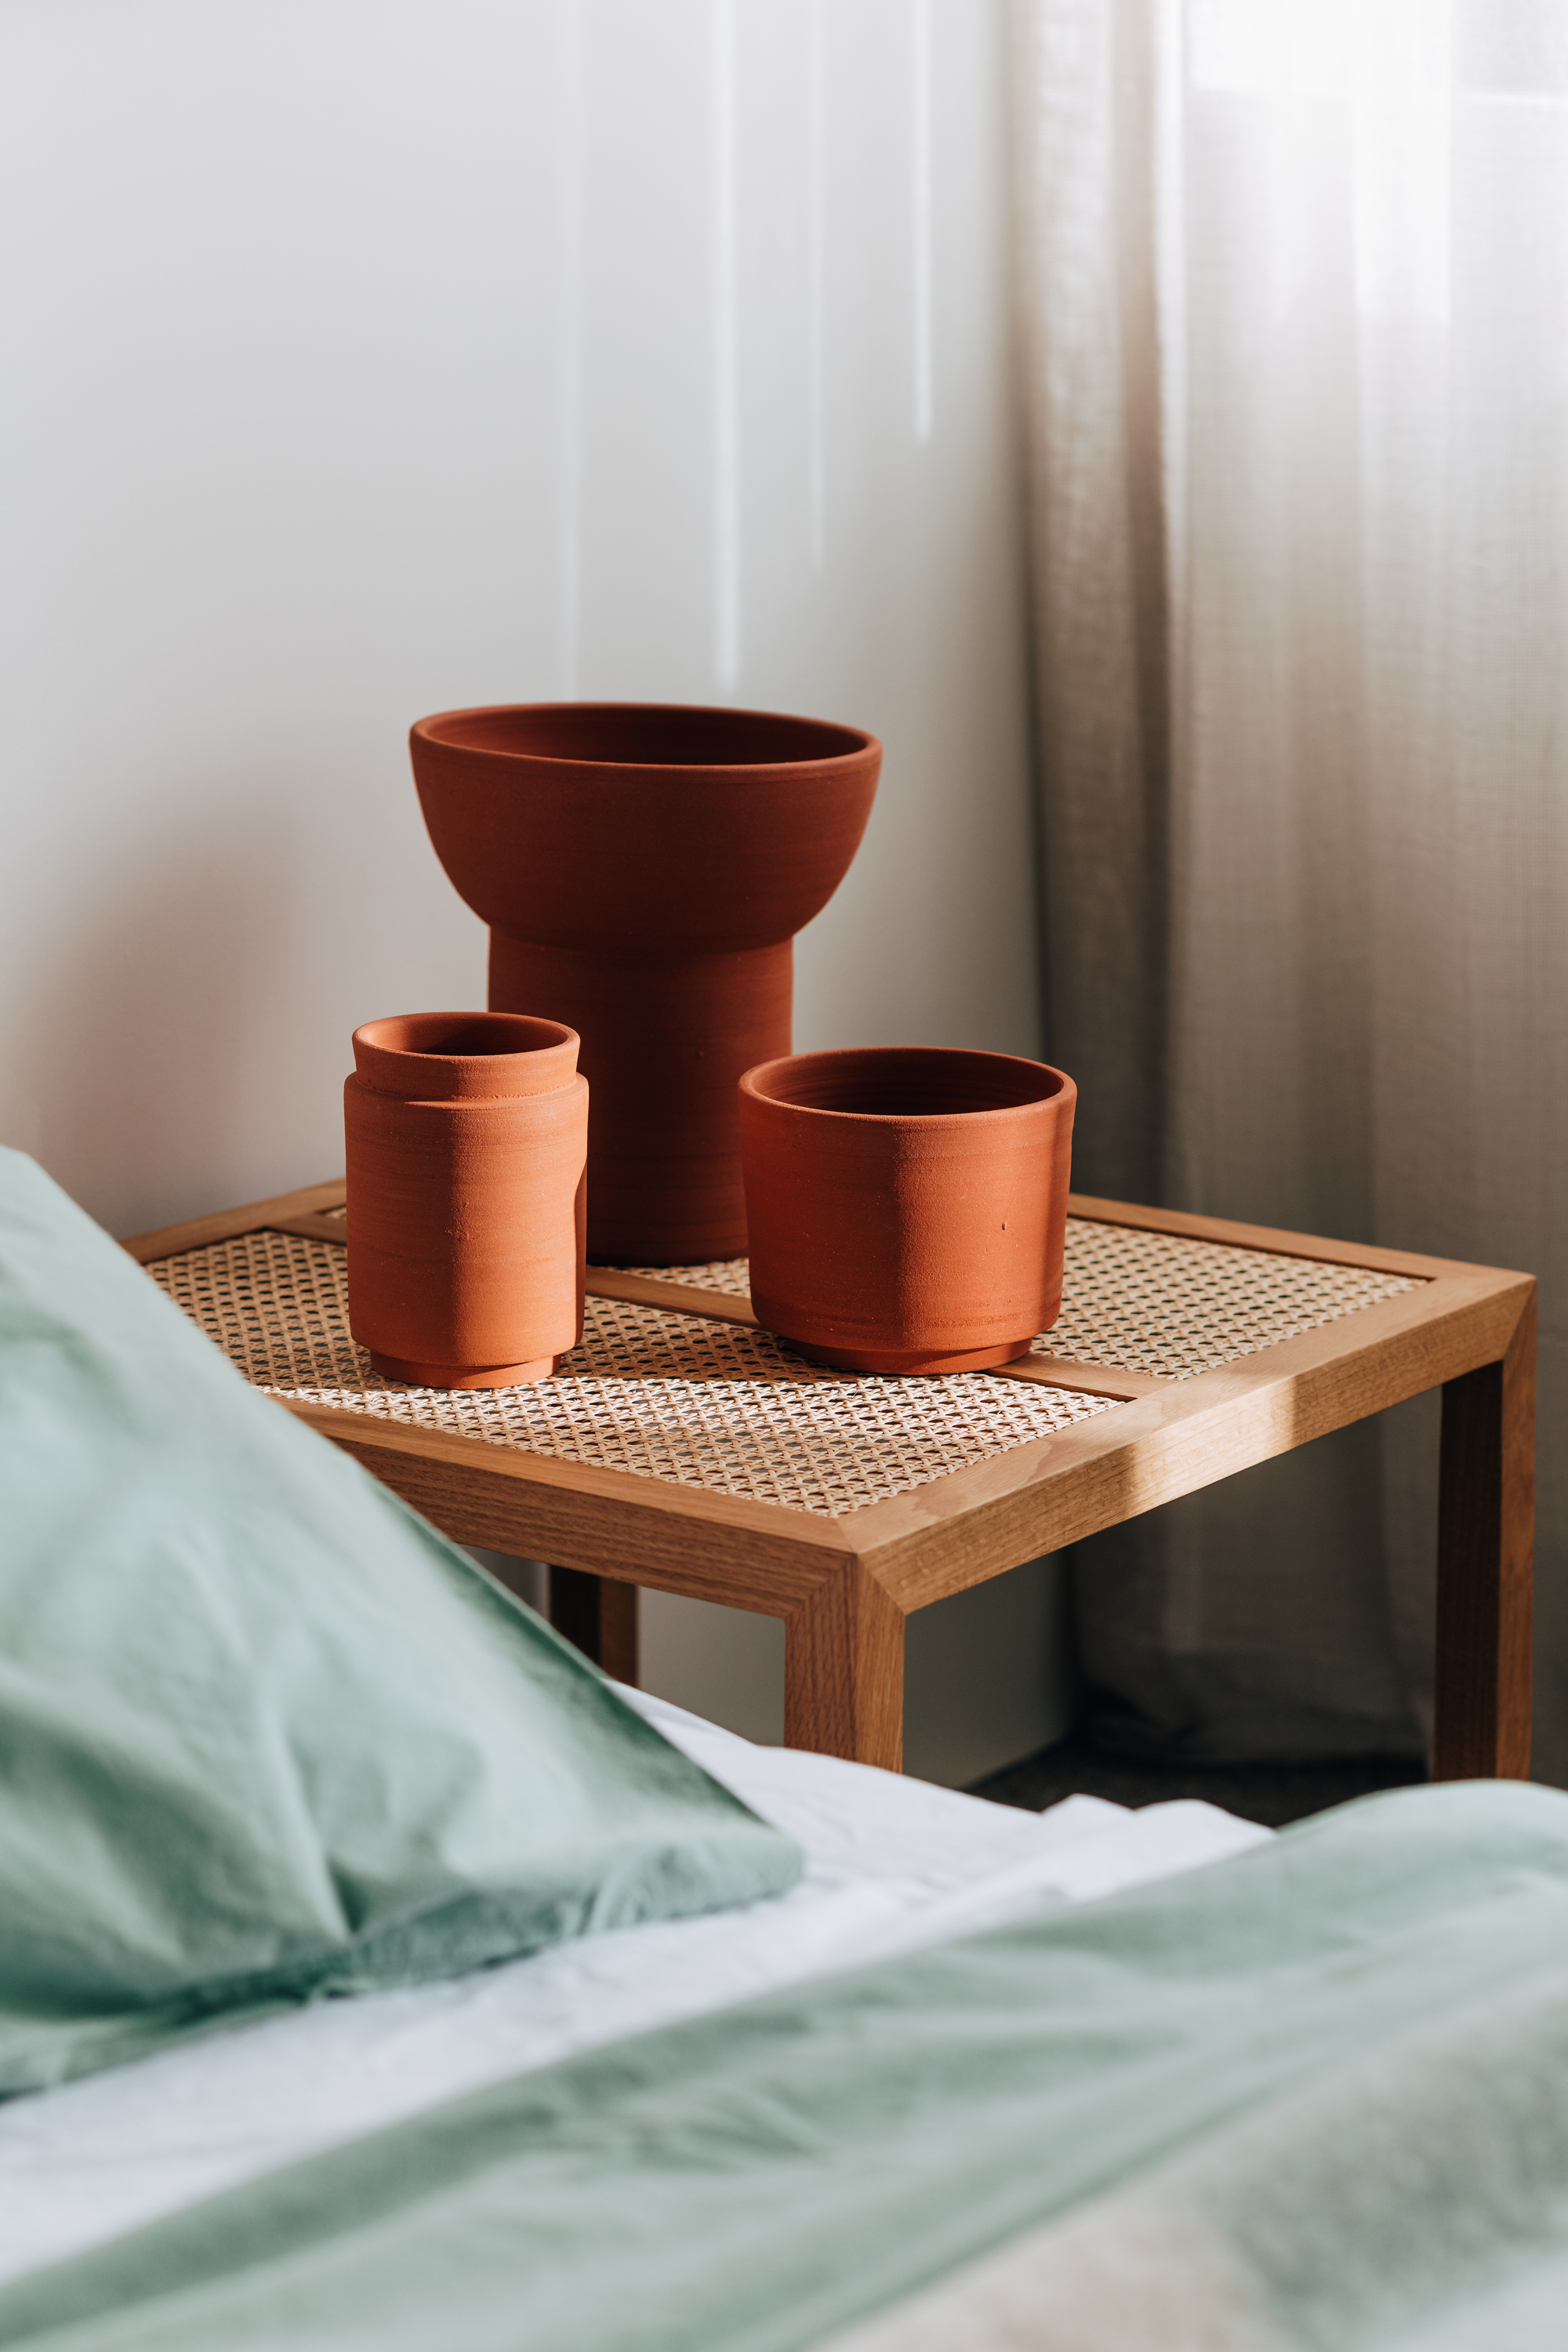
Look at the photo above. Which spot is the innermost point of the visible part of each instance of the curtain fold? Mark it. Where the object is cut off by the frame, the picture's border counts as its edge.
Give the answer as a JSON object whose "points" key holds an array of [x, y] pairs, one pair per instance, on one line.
{"points": [[1294, 301]]}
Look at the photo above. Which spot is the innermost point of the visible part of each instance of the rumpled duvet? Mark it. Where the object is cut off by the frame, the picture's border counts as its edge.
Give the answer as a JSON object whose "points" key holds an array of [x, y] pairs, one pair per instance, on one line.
{"points": [[1315, 2096]]}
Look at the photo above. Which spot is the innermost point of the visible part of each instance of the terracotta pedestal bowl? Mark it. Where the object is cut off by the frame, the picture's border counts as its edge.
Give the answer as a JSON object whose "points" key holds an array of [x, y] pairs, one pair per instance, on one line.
{"points": [[467, 1136], [644, 869], [907, 1204]]}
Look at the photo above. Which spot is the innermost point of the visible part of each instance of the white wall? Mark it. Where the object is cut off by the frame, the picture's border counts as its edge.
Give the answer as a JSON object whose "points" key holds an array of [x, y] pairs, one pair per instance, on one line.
{"points": [[366, 357], [987, 1678], [987, 1673]]}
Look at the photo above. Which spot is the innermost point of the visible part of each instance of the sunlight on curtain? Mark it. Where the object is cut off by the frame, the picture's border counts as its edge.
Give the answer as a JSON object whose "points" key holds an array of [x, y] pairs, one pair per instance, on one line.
{"points": [[1296, 293]]}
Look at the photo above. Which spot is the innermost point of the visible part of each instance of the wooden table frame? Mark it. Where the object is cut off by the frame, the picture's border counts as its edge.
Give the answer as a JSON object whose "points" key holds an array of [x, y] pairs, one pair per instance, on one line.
{"points": [[844, 1585]]}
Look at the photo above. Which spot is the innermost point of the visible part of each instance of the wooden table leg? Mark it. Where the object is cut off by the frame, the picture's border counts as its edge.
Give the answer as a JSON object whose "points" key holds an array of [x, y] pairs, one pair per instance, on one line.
{"points": [[844, 1671], [1486, 1533], [599, 1615]]}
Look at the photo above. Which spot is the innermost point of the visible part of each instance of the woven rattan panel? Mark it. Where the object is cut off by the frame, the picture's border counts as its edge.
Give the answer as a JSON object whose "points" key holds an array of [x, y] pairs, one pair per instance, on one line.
{"points": [[664, 1396], [1161, 1303], [1164, 1302]]}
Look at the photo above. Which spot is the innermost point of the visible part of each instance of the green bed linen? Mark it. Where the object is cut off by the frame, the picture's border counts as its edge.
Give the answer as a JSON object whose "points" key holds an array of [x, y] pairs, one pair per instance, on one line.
{"points": [[265, 1735], [754, 2181]]}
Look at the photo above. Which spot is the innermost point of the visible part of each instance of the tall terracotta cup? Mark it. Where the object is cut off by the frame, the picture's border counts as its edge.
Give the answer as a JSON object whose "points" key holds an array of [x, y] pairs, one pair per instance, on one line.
{"points": [[907, 1204], [643, 868], [468, 1137]]}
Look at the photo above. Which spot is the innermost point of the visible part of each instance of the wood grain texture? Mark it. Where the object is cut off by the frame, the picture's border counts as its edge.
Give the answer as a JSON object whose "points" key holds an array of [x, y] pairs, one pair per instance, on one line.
{"points": [[642, 1530], [844, 1585], [313, 1228], [599, 1617], [977, 1522], [1034, 1498], [844, 1671], [1485, 1577], [169, 1240], [675, 1297], [1082, 1380], [1225, 1230]]}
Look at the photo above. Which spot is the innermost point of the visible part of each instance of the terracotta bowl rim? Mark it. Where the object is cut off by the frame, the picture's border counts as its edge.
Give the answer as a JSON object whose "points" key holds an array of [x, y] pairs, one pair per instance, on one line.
{"points": [[365, 1033], [1063, 1093], [547, 1065], [425, 730]]}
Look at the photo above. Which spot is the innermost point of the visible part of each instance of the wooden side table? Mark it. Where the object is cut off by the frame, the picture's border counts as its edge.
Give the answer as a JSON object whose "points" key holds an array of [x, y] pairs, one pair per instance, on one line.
{"points": [[687, 1450]]}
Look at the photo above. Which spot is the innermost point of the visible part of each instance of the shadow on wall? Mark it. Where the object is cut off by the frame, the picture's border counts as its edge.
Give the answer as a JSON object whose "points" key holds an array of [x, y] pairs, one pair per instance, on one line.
{"points": [[154, 1043], [987, 1682], [988, 1673]]}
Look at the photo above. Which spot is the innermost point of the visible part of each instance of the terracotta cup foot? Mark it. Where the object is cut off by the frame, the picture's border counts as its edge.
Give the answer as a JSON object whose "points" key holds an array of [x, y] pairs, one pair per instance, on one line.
{"points": [[463, 1376]]}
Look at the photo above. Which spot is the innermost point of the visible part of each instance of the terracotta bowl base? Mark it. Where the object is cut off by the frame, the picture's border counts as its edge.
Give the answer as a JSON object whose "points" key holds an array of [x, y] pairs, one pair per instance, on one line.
{"points": [[893, 1363], [463, 1376]]}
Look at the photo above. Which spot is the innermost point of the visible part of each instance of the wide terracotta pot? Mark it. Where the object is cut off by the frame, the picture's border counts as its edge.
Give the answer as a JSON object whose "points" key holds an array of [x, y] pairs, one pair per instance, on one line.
{"points": [[907, 1204], [644, 869], [467, 1139]]}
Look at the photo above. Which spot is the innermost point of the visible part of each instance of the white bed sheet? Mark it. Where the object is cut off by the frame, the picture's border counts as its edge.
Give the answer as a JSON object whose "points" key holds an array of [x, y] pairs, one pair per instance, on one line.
{"points": [[892, 1863]]}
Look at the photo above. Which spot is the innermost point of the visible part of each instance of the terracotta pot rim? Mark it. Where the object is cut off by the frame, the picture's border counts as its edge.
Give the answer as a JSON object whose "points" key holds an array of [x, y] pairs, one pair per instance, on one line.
{"points": [[755, 1084], [541, 1060], [437, 727]]}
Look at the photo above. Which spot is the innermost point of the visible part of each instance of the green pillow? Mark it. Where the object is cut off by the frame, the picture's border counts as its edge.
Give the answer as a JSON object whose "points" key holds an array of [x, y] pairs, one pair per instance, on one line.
{"points": [[264, 1734]]}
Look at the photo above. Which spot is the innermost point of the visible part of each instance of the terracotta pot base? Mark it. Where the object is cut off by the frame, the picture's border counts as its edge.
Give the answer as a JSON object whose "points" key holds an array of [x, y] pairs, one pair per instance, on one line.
{"points": [[898, 1363], [459, 1376]]}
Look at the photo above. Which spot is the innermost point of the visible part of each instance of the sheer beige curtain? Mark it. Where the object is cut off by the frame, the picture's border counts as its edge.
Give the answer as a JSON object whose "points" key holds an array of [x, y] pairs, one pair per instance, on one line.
{"points": [[1295, 280]]}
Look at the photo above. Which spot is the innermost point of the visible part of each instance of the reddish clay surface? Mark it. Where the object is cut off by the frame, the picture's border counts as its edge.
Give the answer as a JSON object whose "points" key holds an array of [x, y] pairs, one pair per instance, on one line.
{"points": [[467, 1137], [643, 868], [907, 1204]]}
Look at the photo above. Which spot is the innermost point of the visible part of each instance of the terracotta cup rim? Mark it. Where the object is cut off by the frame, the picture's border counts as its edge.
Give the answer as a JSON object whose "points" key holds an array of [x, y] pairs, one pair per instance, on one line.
{"points": [[787, 1084], [450, 730], [440, 1057]]}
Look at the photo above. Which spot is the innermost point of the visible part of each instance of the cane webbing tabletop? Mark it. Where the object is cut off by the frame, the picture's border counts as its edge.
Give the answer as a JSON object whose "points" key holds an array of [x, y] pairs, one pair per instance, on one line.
{"points": [[1167, 1304], [1164, 1302], [680, 1397], [680, 1447], [715, 1406]]}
